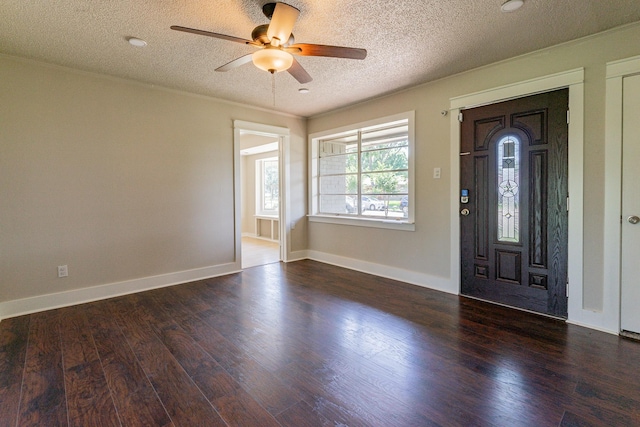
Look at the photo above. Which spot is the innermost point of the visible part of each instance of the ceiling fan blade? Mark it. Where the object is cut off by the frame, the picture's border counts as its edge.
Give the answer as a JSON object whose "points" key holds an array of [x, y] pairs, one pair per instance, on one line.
{"points": [[235, 63], [299, 73], [306, 49], [282, 22], [210, 34]]}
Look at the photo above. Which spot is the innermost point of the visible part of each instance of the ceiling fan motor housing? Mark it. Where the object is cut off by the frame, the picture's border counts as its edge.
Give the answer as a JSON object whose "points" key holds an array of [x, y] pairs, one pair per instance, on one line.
{"points": [[268, 9], [259, 35]]}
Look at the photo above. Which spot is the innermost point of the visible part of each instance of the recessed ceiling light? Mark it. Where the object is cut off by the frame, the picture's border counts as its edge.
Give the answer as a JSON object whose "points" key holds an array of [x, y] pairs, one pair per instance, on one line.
{"points": [[511, 5], [134, 41], [303, 90]]}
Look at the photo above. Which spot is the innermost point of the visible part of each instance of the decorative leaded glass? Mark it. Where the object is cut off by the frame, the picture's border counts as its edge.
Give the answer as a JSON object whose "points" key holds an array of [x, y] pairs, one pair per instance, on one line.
{"points": [[508, 182]]}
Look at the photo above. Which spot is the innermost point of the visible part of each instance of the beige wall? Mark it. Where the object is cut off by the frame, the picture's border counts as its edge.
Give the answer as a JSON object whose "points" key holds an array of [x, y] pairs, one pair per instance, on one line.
{"points": [[427, 250], [117, 180]]}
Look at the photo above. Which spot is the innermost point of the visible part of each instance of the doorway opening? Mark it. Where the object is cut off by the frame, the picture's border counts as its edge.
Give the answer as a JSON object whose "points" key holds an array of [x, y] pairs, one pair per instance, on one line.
{"points": [[260, 213], [260, 193]]}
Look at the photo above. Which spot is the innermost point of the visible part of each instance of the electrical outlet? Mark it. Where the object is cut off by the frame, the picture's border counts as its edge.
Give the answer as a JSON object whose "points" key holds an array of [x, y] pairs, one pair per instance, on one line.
{"points": [[63, 271], [436, 173]]}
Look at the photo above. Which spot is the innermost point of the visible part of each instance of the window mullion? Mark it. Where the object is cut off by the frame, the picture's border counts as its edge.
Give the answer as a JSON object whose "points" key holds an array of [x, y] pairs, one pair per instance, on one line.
{"points": [[319, 187], [359, 199]]}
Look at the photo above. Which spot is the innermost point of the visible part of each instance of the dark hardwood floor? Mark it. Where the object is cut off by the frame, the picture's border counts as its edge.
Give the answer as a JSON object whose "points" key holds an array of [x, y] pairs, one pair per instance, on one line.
{"points": [[308, 344]]}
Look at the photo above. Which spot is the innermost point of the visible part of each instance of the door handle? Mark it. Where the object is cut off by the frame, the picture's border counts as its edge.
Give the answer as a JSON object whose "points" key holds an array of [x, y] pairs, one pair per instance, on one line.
{"points": [[464, 212], [633, 219]]}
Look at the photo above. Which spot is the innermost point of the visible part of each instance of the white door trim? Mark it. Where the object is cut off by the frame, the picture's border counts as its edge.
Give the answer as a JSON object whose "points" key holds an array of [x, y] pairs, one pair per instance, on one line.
{"points": [[283, 167], [574, 80], [616, 71]]}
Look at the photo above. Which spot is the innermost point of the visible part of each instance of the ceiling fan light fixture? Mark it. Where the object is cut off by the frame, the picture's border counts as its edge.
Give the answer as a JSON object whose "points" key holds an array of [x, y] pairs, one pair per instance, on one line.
{"points": [[272, 60], [511, 5]]}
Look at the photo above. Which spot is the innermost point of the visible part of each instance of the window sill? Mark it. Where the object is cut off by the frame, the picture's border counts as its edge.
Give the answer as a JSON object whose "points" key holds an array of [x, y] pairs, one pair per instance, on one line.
{"points": [[391, 224]]}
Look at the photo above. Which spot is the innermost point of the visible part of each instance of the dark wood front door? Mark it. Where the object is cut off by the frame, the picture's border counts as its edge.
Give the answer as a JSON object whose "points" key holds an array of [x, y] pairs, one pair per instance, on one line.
{"points": [[513, 163]]}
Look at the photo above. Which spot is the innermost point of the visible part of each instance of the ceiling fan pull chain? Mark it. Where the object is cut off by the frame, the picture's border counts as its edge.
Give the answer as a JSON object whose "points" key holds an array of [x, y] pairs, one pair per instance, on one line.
{"points": [[273, 87]]}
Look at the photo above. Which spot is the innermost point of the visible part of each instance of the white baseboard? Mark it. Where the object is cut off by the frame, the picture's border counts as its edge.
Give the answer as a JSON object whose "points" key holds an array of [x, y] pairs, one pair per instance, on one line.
{"points": [[594, 326], [298, 256], [420, 279], [38, 303], [599, 320]]}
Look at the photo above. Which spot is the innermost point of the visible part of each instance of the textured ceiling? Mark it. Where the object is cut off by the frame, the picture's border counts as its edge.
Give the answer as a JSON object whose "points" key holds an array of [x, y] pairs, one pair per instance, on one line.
{"points": [[408, 42]]}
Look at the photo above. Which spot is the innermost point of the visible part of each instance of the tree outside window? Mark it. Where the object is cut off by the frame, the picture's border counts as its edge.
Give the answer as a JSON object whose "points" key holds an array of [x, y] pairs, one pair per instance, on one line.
{"points": [[268, 185]]}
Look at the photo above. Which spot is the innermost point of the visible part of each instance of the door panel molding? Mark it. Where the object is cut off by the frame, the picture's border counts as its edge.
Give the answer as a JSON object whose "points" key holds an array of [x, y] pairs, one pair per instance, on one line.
{"points": [[616, 71], [574, 81], [537, 203], [490, 127], [534, 123], [508, 266], [481, 172]]}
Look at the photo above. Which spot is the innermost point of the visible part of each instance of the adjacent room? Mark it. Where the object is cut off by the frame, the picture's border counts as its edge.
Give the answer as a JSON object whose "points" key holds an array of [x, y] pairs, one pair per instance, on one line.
{"points": [[409, 213], [260, 196]]}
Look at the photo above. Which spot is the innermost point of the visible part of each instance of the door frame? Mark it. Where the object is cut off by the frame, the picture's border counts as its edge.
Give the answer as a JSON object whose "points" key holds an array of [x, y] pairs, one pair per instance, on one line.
{"points": [[284, 187], [490, 266], [574, 81], [616, 71]]}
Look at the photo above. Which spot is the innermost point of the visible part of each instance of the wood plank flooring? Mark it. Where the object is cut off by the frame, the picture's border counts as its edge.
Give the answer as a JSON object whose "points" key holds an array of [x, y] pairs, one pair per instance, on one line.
{"points": [[259, 252], [308, 344]]}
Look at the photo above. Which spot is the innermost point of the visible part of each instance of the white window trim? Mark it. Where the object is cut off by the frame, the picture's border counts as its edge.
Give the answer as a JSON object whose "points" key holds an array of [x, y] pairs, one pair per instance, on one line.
{"points": [[259, 168], [406, 224]]}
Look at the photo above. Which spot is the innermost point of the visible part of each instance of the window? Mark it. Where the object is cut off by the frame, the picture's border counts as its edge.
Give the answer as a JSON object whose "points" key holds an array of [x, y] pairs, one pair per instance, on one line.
{"points": [[363, 174], [267, 200]]}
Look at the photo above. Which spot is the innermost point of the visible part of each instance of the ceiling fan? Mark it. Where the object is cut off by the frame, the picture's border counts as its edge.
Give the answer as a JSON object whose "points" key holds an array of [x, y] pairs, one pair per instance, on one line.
{"points": [[277, 45]]}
